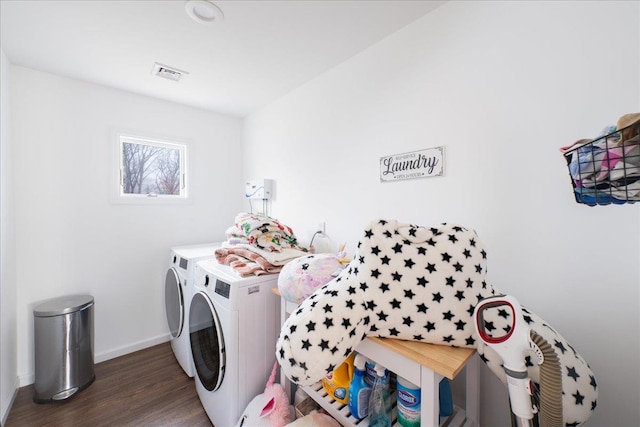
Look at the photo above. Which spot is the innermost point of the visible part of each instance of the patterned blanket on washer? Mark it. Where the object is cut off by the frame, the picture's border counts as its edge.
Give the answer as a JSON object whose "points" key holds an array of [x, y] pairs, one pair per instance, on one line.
{"points": [[263, 232], [414, 283]]}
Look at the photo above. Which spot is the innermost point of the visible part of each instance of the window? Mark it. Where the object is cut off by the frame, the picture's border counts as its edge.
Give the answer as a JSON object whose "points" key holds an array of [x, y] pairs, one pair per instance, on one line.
{"points": [[152, 168]]}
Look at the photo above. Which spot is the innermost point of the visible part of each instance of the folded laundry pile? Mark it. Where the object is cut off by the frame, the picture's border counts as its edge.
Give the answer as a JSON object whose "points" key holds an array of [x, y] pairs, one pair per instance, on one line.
{"points": [[607, 169], [257, 244]]}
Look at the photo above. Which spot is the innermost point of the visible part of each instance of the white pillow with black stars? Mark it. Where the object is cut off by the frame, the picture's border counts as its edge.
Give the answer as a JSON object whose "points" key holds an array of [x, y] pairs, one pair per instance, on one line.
{"points": [[408, 282]]}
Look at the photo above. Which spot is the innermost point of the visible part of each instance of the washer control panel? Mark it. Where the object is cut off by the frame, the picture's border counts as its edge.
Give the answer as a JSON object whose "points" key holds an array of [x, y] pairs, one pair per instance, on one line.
{"points": [[222, 288]]}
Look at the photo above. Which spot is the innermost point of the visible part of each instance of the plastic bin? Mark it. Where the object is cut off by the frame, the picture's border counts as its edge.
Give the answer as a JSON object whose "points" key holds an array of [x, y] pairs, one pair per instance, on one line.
{"points": [[64, 347]]}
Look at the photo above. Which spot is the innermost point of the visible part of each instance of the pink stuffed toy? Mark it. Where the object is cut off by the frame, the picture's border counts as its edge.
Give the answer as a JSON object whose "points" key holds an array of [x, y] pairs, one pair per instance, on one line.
{"points": [[269, 409], [300, 277]]}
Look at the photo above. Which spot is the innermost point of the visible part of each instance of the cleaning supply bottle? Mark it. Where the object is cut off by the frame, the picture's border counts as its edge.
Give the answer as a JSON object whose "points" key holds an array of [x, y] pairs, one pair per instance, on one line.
{"points": [[446, 399], [336, 383], [379, 403], [370, 375], [408, 398], [359, 389]]}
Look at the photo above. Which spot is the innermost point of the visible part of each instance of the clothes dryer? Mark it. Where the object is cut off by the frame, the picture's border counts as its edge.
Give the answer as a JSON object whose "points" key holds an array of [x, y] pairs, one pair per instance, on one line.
{"points": [[234, 323], [178, 293]]}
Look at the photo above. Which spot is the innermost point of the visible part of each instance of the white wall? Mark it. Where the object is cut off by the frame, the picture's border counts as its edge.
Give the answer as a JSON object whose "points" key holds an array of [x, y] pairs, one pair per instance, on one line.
{"points": [[71, 239], [502, 85], [8, 333]]}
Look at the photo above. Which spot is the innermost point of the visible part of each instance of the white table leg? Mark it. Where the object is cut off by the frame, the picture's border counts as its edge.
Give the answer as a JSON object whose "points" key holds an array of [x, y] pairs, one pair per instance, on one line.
{"points": [[472, 379], [429, 398]]}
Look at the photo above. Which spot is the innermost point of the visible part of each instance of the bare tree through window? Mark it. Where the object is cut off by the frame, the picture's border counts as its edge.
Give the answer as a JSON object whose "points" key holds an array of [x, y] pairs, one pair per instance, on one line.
{"points": [[151, 168], [168, 176]]}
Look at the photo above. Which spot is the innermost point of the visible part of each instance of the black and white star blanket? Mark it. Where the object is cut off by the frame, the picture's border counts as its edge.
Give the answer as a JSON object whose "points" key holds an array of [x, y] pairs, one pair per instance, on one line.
{"points": [[414, 283]]}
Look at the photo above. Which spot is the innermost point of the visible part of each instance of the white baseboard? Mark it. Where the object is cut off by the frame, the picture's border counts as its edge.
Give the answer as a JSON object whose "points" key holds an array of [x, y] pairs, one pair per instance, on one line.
{"points": [[140, 345], [11, 399], [26, 379], [29, 378]]}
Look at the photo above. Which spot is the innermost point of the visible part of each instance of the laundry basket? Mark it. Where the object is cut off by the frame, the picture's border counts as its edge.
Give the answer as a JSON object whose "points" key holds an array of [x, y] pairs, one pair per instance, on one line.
{"points": [[606, 170], [64, 347]]}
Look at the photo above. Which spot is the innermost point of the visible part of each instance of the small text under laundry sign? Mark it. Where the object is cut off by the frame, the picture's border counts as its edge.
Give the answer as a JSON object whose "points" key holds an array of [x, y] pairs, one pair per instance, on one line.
{"points": [[416, 164]]}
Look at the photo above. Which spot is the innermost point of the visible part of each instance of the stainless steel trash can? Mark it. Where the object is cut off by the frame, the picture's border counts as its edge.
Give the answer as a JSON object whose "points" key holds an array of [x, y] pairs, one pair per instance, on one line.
{"points": [[63, 346]]}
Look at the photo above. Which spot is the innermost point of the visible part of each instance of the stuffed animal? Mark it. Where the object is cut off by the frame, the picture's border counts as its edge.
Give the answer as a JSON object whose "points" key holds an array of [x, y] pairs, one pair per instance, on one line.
{"points": [[269, 409], [300, 277], [414, 283]]}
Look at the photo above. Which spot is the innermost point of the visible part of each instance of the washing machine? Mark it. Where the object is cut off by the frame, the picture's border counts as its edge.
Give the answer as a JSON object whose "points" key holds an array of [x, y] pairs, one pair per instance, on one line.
{"points": [[178, 294], [234, 324]]}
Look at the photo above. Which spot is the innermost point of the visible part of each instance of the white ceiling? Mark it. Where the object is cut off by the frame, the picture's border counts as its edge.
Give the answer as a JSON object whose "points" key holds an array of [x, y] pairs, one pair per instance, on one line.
{"points": [[259, 52]]}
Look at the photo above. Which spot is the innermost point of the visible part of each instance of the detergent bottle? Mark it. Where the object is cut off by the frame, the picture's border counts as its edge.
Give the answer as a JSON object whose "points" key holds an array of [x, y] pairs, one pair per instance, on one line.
{"points": [[379, 403], [359, 389], [336, 383]]}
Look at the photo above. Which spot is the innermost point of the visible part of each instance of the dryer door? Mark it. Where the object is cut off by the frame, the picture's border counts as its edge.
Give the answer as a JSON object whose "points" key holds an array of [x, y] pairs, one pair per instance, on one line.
{"points": [[174, 302], [207, 341]]}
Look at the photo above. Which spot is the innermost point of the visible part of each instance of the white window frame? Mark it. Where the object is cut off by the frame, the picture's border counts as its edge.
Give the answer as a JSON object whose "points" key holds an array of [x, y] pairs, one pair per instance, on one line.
{"points": [[122, 197]]}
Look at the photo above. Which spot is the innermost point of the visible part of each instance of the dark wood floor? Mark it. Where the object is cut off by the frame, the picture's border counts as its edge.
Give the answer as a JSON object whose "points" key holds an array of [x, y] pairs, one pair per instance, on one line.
{"points": [[145, 388]]}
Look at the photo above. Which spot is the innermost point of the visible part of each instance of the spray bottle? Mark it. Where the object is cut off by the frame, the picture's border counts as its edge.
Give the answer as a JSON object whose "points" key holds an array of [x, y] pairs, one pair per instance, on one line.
{"points": [[359, 389], [379, 403]]}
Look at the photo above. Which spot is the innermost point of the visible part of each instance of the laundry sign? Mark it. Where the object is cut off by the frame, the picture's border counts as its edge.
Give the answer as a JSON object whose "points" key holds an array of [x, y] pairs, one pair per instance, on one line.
{"points": [[416, 164]]}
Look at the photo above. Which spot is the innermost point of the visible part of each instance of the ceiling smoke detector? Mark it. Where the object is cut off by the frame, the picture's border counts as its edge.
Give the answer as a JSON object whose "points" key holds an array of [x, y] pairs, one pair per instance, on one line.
{"points": [[168, 72], [203, 11]]}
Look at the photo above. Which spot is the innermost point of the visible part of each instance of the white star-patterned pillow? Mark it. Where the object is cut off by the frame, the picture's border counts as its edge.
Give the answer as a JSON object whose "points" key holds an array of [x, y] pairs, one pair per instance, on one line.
{"points": [[408, 282]]}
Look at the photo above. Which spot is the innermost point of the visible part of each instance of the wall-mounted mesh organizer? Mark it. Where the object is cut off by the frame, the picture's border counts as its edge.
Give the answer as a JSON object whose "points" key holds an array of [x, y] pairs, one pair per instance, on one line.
{"points": [[606, 170]]}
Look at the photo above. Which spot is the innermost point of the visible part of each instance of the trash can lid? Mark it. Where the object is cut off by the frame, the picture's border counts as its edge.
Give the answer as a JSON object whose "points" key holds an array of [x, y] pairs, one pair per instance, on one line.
{"points": [[62, 305]]}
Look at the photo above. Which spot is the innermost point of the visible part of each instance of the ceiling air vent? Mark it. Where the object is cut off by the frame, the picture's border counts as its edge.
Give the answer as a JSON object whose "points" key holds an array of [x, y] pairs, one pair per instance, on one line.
{"points": [[168, 72]]}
